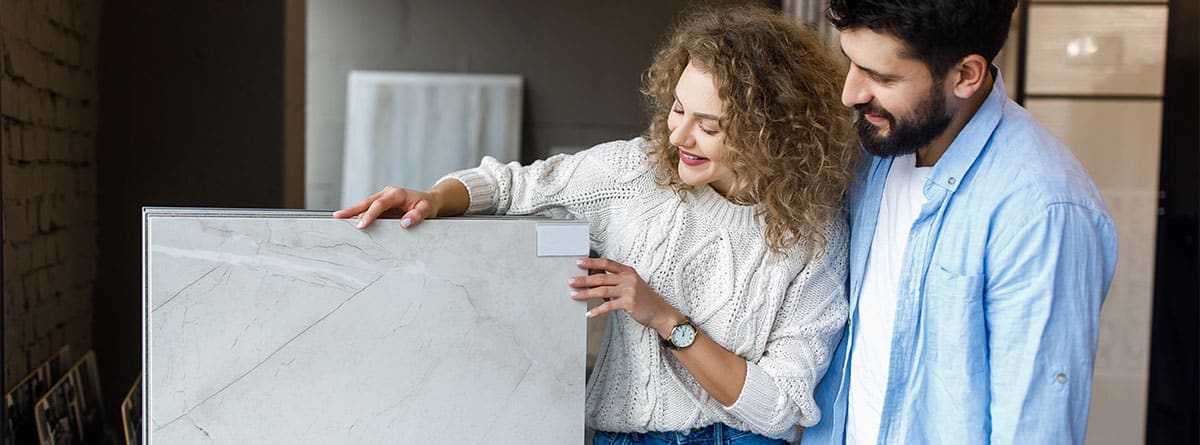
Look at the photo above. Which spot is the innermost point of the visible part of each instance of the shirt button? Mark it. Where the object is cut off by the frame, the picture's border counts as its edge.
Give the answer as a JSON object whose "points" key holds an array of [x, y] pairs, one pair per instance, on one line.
{"points": [[951, 181], [1061, 378]]}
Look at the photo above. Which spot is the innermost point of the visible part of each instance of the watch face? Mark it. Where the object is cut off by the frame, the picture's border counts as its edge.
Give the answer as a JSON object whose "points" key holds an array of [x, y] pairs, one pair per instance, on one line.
{"points": [[683, 335]]}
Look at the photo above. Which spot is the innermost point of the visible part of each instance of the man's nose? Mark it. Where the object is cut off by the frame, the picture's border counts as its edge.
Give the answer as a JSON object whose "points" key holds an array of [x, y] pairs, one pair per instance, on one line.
{"points": [[855, 90]]}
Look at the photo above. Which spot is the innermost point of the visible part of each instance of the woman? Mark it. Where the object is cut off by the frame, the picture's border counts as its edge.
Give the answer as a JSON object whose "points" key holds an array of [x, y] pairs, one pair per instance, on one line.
{"points": [[721, 231]]}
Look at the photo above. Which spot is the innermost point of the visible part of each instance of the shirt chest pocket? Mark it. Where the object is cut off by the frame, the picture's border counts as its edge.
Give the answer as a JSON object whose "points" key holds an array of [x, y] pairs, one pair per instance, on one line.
{"points": [[953, 316]]}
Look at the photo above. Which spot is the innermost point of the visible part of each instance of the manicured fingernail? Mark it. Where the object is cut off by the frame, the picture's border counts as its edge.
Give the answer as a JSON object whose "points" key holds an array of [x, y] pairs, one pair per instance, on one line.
{"points": [[574, 293], [579, 262], [589, 314], [361, 224], [405, 223], [570, 282]]}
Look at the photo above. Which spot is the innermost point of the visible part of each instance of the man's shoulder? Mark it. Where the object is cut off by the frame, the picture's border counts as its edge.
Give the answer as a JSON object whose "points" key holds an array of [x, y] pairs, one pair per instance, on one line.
{"points": [[1025, 164]]}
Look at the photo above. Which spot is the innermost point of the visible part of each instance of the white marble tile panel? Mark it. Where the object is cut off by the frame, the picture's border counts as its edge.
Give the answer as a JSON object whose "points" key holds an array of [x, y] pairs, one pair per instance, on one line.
{"points": [[291, 328], [409, 128]]}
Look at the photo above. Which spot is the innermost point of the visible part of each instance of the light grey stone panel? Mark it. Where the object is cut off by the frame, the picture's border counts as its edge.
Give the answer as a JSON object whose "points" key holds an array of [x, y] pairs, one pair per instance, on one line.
{"points": [[293, 327]]}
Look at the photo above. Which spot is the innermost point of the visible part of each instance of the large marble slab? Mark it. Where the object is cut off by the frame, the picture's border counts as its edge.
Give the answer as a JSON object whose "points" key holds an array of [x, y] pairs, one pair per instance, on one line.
{"points": [[293, 327]]}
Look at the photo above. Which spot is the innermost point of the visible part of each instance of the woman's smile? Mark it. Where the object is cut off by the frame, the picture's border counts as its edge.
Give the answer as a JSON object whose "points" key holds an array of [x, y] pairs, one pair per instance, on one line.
{"points": [[691, 159]]}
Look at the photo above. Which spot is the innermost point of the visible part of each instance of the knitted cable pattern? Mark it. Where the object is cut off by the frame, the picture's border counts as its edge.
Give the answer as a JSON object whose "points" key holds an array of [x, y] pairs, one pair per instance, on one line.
{"points": [[706, 257]]}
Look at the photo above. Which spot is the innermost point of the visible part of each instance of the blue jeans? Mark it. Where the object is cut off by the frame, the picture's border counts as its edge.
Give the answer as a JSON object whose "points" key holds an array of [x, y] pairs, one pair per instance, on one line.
{"points": [[715, 434]]}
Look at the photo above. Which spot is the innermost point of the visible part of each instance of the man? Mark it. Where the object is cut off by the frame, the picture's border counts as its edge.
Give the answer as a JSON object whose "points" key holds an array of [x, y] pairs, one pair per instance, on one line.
{"points": [[980, 249]]}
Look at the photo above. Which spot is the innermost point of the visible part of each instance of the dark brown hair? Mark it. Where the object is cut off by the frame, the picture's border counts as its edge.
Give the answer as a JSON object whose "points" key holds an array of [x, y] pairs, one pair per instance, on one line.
{"points": [[938, 33]]}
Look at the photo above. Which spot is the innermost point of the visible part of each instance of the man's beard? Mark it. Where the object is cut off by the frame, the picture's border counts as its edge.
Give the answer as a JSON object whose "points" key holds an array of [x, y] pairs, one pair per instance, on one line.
{"points": [[928, 120]]}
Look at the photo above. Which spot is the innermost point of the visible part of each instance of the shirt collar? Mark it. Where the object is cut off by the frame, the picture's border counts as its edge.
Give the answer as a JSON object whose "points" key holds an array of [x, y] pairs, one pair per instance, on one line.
{"points": [[958, 158]]}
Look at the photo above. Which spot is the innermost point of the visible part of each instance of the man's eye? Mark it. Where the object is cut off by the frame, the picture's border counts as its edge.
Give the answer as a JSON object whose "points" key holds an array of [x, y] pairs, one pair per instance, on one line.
{"points": [[676, 111]]}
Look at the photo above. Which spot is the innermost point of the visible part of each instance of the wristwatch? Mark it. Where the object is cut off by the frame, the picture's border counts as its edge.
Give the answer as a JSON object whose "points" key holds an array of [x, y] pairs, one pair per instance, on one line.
{"points": [[682, 336]]}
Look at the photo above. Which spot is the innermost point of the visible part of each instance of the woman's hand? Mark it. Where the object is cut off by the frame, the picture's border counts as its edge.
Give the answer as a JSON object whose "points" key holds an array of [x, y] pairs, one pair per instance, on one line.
{"points": [[417, 206], [624, 290], [720, 372]]}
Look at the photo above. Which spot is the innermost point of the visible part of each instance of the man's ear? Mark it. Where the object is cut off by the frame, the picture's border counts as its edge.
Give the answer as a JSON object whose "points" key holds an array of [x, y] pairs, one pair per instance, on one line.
{"points": [[968, 76]]}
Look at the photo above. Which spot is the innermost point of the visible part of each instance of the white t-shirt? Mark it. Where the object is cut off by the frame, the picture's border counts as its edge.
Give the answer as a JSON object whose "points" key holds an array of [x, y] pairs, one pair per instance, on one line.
{"points": [[903, 196]]}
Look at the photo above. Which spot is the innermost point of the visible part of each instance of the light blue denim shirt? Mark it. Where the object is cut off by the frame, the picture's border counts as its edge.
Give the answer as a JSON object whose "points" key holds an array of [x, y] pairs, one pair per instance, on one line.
{"points": [[999, 296]]}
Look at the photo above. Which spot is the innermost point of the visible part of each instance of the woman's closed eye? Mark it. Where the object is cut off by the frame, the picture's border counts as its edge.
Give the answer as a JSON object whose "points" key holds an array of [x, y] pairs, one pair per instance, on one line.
{"points": [[678, 109]]}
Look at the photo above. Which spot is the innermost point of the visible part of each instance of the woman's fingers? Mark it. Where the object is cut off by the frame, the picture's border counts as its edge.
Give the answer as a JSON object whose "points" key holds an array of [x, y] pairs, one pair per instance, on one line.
{"points": [[604, 264], [421, 211], [596, 292], [600, 279], [614, 284], [347, 212], [356, 209], [363, 205], [372, 213], [622, 287], [391, 201], [602, 309]]}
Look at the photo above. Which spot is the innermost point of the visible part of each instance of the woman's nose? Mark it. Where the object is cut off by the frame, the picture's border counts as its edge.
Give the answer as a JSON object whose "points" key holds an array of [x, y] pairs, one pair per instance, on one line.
{"points": [[681, 136]]}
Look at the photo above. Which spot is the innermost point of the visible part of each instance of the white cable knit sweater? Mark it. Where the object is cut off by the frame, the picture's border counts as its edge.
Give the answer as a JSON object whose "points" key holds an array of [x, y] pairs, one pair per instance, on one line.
{"points": [[706, 257]]}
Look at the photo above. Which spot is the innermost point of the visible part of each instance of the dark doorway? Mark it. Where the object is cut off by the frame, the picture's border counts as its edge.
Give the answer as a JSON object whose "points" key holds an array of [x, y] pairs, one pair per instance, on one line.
{"points": [[1172, 415]]}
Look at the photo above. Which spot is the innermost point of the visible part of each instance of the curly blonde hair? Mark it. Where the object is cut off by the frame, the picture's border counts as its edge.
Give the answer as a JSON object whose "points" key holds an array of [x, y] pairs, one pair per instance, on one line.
{"points": [[785, 130]]}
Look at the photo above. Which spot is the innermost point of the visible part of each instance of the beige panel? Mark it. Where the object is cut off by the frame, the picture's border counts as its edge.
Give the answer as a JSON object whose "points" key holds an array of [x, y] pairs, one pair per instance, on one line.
{"points": [[1107, 1], [1118, 409], [1117, 412], [1118, 141], [1124, 346], [1008, 60], [1102, 49]]}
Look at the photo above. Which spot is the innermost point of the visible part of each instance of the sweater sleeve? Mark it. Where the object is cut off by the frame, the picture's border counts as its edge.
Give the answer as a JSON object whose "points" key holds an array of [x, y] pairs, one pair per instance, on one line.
{"points": [[778, 391], [582, 184]]}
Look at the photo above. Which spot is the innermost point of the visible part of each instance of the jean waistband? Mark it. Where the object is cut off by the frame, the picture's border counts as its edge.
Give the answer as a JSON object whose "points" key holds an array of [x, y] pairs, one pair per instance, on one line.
{"points": [[714, 432]]}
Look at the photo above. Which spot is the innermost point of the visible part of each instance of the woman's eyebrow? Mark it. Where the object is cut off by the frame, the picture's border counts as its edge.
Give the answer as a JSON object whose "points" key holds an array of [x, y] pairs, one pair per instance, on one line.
{"points": [[707, 116]]}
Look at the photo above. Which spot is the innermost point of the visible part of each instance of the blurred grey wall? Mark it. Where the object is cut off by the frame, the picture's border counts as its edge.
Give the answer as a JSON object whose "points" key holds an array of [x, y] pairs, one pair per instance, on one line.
{"points": [[581, 62]]}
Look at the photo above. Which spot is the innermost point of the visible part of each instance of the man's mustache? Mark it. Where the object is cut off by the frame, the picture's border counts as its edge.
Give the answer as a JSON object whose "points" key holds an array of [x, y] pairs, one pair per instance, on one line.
{"points": [[872, 108]]}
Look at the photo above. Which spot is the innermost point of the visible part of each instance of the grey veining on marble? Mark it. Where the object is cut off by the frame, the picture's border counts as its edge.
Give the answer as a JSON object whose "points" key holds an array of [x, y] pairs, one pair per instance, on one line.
{"points": [[293, 327]]}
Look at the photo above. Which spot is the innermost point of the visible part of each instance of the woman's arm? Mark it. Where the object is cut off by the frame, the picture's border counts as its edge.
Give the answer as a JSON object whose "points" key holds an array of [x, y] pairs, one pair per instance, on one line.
{"points": [[774, 393], [721, 373], [446, 198], [582, 184], [718, 371]]}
